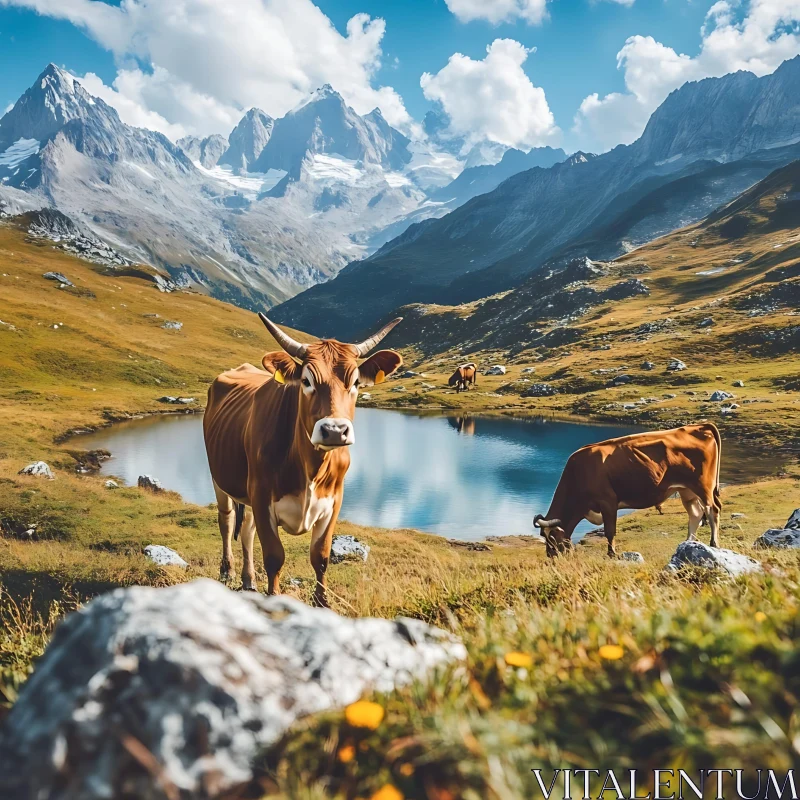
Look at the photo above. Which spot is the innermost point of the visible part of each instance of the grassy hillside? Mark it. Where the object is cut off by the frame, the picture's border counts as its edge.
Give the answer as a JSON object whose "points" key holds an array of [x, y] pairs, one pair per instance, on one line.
{"points": [[722, 296], [539, 690]]}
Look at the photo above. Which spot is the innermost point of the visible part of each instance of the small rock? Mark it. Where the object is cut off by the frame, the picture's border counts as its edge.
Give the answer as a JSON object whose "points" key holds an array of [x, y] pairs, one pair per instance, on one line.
{"points": [[164, 556], [676, 365], [38, 468], [365, 396], [738, 515], [496, 369], [409, 373], [632, 555], [172, 326], [705, 323], [109, 484], [648, 365], [528, 370], [348, 548], [621, 379], [719, 395], [669, 396], [480, 547], [57, 276], [398, 389], [148, 482], [539, 390], [427, 386], [739, 384], [786, 537], [698, 554]]}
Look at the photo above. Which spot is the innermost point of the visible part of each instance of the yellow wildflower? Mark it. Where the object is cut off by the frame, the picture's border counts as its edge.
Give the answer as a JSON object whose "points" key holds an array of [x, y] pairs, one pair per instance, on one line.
{"points": [[388, 792], [611, 652], [347, 754], [519, 660], [364, 714]]}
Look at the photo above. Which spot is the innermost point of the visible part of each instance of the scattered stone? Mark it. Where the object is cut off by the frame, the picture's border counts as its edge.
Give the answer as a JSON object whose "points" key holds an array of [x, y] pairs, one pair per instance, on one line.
{"points": [[621, 379], [676, 365], [365, 396], [348, 548], [58, 276], [719, 395], [786, 537], [409, 373], [164, 556], [428, 386], [698, 554], [669, 396], [398, 389], [705, 323], [539, 390], [739, 384], [497, 369], [648, 365], [172, 326], [528, 370], [738, 515], [185, 401], [39, 469], [149, 482], [109, 484], [633, 556], [479, 547], [211, 677]]}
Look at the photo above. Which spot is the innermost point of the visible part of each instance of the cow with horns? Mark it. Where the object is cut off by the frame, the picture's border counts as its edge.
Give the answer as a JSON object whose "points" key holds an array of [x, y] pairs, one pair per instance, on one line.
{"points": [[637, 471], [277, 441], [463, 377]]}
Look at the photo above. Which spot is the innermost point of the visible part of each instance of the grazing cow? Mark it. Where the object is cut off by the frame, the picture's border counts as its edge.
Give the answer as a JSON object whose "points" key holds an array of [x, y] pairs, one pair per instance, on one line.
{"points": [[638, 471], [277, 442], [464, 375]]}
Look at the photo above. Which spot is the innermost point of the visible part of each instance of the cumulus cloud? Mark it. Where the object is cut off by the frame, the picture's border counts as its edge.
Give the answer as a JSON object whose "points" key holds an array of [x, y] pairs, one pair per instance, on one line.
{"points": [[197, 64], [533, 12], [756, 37], [492, 99]]}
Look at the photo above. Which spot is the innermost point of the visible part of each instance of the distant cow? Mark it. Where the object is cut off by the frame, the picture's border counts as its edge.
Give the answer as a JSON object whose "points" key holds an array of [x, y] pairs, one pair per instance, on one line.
{"points": [[638, 471], [464, 376], [277, 442]]}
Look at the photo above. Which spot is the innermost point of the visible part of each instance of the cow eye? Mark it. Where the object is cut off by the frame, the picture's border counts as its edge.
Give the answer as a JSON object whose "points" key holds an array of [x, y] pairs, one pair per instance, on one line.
{"points": [[355, 384], [306, 382]]}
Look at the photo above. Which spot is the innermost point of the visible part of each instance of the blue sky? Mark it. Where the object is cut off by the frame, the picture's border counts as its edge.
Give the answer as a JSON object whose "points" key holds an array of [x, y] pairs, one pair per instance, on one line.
{"points": [[191, 66]]}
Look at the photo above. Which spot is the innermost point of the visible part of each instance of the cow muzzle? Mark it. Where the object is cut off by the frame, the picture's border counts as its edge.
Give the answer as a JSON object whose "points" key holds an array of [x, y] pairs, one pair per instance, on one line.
{"points": [[332, 432]]}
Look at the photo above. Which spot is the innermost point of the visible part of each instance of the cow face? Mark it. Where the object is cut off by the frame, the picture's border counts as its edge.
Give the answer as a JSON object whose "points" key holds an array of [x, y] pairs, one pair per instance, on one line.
{"points": [[556, 539], [329, 376]]}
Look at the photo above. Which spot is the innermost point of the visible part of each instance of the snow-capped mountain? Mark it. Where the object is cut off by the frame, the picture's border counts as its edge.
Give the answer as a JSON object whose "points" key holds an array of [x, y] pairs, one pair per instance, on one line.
{"points": [[247, 140], [207, 151]]}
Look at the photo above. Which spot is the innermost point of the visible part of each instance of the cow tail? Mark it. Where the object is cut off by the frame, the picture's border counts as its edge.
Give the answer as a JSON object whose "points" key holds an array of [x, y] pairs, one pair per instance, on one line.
{"points": [[239, 519], [718, 439]]}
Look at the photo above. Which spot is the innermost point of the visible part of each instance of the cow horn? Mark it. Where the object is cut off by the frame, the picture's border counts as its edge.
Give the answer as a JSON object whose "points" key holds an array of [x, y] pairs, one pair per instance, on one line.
{"points": [[375, 339], [291, 346], [540, 522]]}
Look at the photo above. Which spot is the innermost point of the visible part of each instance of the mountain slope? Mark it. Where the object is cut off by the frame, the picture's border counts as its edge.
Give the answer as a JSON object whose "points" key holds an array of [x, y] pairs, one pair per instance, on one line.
{"points": [[496, 239], [248, 139]]}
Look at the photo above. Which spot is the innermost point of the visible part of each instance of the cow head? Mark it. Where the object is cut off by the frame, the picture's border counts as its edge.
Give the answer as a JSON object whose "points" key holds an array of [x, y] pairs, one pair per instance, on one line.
{"points": [[556, 539], [328, 376]]}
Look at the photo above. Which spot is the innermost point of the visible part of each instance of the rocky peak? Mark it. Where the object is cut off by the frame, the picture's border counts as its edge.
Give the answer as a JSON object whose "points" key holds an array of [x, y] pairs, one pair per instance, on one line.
{"points": [[248, 139]]}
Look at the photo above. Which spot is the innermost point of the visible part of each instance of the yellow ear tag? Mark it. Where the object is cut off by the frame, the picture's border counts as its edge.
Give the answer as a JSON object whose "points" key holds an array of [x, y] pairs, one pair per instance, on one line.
{"points": [[380, 377], [278, 376]]}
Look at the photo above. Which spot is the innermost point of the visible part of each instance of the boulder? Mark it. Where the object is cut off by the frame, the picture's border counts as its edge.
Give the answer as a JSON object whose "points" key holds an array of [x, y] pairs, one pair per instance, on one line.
{"points": [[496, 369], [348, 548], [719, 395], [705, 323], [109, 484], [784, 538], [528, 370], [186, 686], [676, 365], [633, 556], [698, 554], [365, 396], [621, 379], [58, 276], [739, 384], [38, 468], [172, 326], [648, 365], [164, 556], [149, 482]]}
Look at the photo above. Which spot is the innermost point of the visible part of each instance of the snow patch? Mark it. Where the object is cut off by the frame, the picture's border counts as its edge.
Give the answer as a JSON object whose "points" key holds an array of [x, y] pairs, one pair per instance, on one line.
{"points": [[250, 184], [139, 168], [18, 152]]}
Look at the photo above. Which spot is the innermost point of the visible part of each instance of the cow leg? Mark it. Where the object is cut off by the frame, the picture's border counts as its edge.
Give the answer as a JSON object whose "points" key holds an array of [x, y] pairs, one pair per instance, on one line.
{"points": [[226, 518], [321, 538], [694, 508], [271, 546], [712, 516], [248, 535], [610, 528]]}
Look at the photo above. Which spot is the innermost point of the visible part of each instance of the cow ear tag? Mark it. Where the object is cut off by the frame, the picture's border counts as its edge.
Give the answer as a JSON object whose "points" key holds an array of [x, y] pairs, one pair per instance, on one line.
{"points": [[278, 376], [380, 377]]}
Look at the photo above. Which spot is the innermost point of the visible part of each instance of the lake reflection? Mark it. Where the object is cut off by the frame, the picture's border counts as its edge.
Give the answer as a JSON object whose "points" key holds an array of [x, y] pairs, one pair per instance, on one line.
{"points": [[462, 477]]}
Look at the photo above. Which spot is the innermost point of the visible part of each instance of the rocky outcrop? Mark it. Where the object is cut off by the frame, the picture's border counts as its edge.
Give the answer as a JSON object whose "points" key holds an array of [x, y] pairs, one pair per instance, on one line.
{"points": [[38, 468], [185, 686], [697, 554], [786, 537], [150, 483], [164, 556]]}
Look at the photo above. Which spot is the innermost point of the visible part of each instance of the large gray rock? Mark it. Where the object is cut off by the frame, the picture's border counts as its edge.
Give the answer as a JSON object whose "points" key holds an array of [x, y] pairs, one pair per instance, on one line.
{"points": [[788, 536], [348, 548], [496, 369], [197, 679], [150, 483], [164, 556], [38, 468], [719, 395], [698, 554]]}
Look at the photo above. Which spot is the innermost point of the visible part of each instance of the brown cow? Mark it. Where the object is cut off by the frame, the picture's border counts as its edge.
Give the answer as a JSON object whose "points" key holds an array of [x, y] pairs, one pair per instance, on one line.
{"points": [[464, 375], [277, 442], [638, 471]]}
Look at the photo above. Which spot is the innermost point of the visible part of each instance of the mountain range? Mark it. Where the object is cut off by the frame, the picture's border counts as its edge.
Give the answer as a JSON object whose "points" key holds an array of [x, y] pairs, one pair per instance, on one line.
{"points": [[709, 141]]}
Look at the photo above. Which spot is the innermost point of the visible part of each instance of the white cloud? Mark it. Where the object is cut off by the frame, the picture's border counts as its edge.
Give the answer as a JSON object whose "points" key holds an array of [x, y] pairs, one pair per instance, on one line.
{"points": [[533, 12], [492, 99], [205, 61], [756, 37]]}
